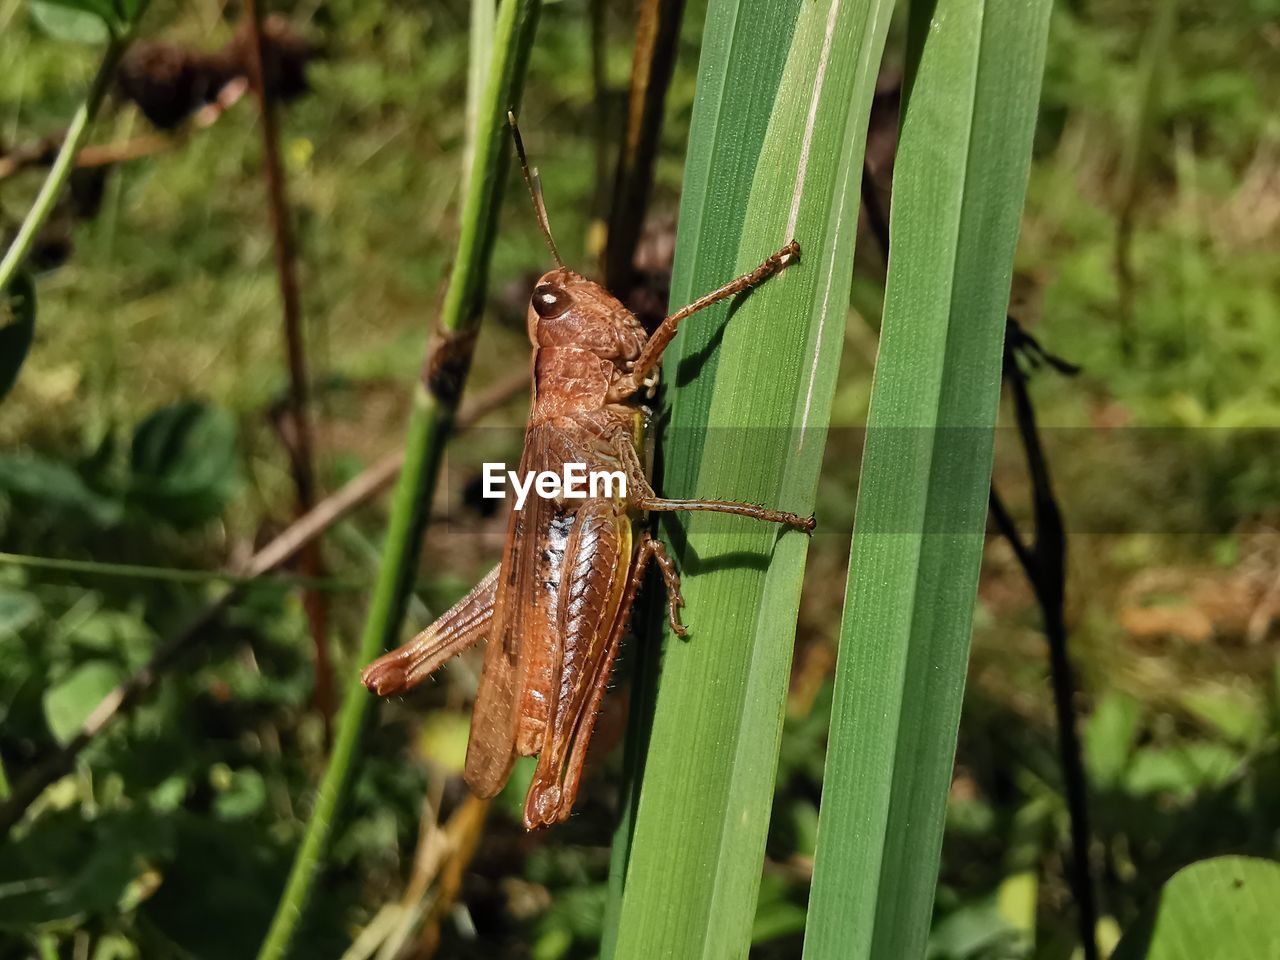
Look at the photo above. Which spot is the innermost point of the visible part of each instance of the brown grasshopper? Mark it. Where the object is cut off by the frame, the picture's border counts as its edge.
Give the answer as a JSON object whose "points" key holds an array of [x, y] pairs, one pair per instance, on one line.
{"points": [[555, 609]]}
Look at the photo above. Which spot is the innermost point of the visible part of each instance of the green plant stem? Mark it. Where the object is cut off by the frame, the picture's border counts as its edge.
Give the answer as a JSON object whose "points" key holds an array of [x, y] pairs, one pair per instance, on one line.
{"points": [[434, 405], [64, 163], [480, 49], [142, 571]]}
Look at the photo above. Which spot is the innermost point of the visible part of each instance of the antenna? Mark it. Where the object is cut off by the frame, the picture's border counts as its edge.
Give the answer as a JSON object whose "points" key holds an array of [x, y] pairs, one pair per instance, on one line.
{"points": [[535, 188]]}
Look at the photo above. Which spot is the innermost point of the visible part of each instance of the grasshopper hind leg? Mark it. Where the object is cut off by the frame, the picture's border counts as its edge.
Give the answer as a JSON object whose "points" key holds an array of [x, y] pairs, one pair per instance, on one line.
{"points": [[462, 626], [552, 803]]}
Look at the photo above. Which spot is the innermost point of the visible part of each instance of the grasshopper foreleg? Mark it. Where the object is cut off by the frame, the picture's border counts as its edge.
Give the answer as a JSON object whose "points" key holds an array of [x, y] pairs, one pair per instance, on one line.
{"points": [[652, 352]]}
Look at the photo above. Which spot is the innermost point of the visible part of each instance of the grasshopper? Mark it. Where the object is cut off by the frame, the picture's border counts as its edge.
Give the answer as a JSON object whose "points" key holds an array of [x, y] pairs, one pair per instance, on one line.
{"points": [[555, 610]]}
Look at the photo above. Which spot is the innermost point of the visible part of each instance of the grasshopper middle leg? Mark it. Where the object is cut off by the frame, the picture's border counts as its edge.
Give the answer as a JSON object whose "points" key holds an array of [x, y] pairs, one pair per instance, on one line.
{"points": [[660, 504]]}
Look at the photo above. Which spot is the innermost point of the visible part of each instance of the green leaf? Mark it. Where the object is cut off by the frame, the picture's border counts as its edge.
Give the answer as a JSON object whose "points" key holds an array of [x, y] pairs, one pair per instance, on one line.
{"points": [[1235, 714], [54, 485], [18, 610], [130, 11], [69, 23], [115, 946], [1109, 737], [1220, 909], [968, 115], [68, 867], [67, 703], [775, 153], [74, 22], [185, 463], [17, 329], [124, 633], [1180, 770], [85, 21], [242, 795], [975, 930]]}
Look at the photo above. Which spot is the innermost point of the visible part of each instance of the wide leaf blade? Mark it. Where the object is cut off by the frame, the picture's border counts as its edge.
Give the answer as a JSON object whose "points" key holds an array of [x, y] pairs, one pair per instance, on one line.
{"points": [[969, 110], [752, 388]]}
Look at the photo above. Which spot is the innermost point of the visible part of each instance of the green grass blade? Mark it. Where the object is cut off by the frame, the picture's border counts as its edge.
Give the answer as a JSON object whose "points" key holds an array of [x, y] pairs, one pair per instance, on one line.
{"points": [[969, 111], [737, 71], [434, 405], [775, 153]]}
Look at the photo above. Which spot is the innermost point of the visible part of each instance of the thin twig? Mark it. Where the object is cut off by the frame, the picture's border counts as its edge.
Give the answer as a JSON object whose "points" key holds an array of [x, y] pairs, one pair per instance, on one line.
{"points": [[43, 152], [1009, 530], [280, 550], [657, 33], [374, 480], [299, 445], [1044, 564], [463, 831]]}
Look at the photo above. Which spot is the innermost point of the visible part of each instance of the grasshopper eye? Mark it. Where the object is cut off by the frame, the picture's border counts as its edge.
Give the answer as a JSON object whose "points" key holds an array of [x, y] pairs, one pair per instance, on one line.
{"points": [[549, 301]]}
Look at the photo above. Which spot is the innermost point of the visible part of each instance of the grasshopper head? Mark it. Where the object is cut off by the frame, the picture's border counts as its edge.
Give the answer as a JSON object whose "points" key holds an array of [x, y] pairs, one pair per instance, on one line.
{"points": [[568, 310]]}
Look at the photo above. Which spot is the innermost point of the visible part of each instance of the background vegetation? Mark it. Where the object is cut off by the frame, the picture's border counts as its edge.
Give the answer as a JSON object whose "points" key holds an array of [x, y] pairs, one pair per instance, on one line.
{"points": [[144, 430]]}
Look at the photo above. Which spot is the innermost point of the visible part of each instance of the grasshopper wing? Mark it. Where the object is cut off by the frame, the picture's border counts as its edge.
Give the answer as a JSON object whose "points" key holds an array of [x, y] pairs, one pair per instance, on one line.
{"points": [[514, 685]]}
